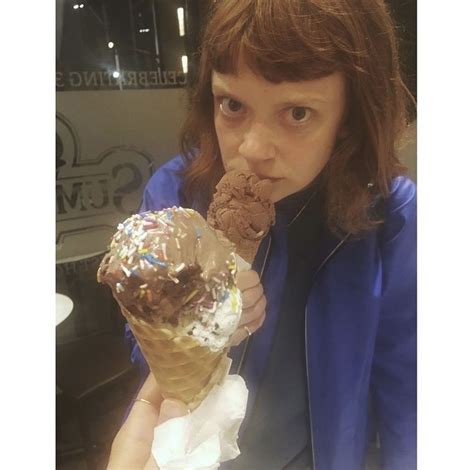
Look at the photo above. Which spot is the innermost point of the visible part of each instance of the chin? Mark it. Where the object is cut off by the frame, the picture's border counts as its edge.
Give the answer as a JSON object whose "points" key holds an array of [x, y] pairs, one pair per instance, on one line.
{"points": [[280, 190], [279, 193]]}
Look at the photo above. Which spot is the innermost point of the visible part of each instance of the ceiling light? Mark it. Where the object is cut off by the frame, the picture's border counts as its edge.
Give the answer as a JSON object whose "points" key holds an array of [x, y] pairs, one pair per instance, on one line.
{"points": [[184, 63], [180, 12]]}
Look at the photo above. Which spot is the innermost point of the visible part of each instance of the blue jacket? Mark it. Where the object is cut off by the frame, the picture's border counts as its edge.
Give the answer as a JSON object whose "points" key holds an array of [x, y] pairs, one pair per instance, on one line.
{"points": [[360, 330]]}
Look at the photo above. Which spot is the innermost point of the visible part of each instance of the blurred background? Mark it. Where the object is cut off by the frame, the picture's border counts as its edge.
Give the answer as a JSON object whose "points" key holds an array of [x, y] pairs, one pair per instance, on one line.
{"points": [[122, 70]]}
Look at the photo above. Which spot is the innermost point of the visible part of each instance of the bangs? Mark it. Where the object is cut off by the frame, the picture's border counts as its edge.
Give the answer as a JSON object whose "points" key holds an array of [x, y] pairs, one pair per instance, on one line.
{"points": [[273, 47]]}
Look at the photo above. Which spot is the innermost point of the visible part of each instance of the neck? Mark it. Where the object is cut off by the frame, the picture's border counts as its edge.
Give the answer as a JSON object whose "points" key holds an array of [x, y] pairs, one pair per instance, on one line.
{"points": [[291, 207]]}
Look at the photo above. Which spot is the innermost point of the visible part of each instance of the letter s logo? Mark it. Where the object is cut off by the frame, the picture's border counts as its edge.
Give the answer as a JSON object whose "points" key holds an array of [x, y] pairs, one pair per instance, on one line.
{"points": [[132, 185]]}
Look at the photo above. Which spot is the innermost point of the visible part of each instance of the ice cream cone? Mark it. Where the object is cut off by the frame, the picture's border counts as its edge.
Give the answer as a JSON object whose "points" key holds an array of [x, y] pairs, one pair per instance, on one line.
{"points": [[175, 285], [184, 369], [242, 212]]}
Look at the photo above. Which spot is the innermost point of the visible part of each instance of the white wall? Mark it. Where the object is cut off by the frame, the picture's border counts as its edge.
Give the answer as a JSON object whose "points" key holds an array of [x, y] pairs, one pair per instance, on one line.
{"points": [[109, 139]]}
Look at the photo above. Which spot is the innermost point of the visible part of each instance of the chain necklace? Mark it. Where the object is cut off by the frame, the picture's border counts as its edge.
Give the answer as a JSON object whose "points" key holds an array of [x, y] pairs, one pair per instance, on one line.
{"points": [[303, 208]]}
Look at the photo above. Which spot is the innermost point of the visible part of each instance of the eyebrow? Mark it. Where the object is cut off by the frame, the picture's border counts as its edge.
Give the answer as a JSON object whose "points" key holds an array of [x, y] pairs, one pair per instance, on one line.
{"points": [[292, 101]]}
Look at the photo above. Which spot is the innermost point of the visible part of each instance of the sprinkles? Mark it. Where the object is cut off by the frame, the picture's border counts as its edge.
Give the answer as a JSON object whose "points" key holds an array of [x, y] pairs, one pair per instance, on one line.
{"points": [[126, 271], [154, 268], [151, 259], [163, 249], [179, 268]]}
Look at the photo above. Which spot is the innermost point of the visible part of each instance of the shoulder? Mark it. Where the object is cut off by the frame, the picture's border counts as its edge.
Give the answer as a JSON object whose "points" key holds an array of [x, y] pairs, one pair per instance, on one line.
{"points": [[400, 208], [402, 193], [163, 188], [167, 174]]}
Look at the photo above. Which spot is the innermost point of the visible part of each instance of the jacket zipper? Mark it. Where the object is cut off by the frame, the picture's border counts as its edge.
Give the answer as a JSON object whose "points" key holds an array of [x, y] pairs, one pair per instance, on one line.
{"points": [[244, 352], [306, 346]]}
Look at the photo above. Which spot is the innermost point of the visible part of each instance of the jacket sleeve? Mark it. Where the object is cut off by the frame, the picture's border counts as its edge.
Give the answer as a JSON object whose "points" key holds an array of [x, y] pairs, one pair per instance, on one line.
{"points": [[394, 368]]}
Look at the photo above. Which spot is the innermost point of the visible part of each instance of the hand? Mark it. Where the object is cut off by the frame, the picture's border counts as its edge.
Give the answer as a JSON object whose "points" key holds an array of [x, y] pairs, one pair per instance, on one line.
{"points": [[131, 448], [254, 303]]}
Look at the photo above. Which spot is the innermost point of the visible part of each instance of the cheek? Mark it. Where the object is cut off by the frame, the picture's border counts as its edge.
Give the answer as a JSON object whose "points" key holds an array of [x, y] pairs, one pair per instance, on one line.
{"points": [[308, 158], [228, 141]]}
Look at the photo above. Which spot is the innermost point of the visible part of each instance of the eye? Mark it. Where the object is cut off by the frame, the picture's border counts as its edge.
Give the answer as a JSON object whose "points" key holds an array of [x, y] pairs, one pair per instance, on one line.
{"points": [[230, 107], [299, 114]]}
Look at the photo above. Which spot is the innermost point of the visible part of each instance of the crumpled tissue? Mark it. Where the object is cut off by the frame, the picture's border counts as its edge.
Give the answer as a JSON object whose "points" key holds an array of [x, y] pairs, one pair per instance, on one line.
{"points": [[242, 265], [206, 436]]}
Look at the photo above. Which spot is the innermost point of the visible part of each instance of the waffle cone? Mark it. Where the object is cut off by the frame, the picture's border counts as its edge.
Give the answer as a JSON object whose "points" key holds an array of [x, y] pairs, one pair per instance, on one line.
{"points": [[184, 369]]}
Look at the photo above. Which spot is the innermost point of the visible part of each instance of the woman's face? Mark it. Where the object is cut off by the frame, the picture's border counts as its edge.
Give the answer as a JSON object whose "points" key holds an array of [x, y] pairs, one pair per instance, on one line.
{"points": [[285, 132]]}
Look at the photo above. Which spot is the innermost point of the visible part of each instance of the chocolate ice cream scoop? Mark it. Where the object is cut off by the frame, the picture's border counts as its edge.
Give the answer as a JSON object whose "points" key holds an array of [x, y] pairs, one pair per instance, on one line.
{"points": [[242, 211], [167, 266]]}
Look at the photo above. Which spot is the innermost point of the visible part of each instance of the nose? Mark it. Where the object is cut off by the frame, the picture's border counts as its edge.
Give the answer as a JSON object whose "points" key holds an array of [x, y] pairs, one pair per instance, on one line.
{"points": [[258, 143]]}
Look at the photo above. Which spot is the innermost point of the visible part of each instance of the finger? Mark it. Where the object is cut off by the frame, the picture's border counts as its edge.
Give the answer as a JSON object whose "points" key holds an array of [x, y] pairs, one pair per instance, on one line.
{"points": [[251, 314], [256, 324], [247, 279], [151, 464], [251, 296], [241, 333], [171, 409]]}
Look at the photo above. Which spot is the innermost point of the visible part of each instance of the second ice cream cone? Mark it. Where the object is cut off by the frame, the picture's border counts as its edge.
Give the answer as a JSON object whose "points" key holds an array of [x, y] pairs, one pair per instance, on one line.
{"points": [[242, 211]]}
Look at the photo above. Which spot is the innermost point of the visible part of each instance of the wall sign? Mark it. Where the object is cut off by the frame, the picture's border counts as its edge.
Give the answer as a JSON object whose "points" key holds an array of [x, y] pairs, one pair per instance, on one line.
{"points": [[126, 80], [94, 194]]}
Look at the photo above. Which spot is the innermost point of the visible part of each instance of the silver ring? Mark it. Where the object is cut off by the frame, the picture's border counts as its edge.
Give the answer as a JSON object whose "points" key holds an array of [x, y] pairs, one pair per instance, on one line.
{"points": [[247, 330]]}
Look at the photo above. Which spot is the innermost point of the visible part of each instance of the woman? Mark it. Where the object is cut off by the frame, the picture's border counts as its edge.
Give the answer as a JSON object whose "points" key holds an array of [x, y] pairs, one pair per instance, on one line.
{"points": [[309, 94]]}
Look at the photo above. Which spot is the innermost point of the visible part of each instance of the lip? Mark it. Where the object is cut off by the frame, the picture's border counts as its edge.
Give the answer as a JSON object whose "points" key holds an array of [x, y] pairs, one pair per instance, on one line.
{"points": [[268, 178]]}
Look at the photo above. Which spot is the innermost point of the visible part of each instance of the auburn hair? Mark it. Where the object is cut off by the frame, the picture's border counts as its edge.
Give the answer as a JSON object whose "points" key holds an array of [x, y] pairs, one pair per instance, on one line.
{"points": [[294, 40]]}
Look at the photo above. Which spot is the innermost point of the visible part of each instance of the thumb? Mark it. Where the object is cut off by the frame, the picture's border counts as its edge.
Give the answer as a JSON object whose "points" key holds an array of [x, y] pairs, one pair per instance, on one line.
{"points": [[171, 409]]}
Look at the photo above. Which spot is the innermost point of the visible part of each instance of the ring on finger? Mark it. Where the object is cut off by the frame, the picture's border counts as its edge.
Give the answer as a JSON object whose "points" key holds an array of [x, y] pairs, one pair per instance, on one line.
{"points": [[246, 328]]}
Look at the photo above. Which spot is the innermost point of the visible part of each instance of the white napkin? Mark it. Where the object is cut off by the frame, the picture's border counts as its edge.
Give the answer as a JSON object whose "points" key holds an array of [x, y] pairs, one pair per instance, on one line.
{"points": [[206, 436], [242, 265]]}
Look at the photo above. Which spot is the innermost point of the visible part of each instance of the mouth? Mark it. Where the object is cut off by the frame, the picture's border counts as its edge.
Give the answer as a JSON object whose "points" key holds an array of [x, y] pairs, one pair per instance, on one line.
{"points": [[271, 178]]}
